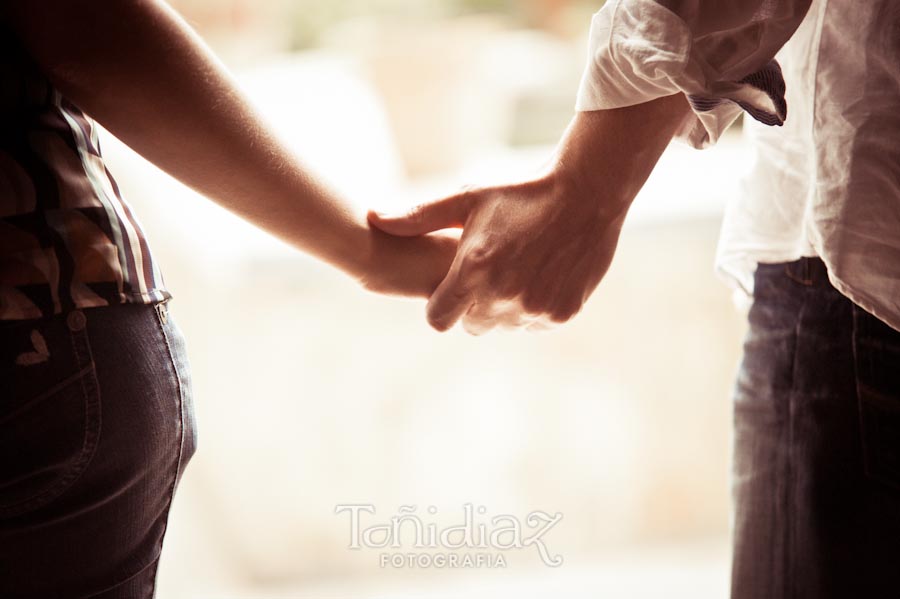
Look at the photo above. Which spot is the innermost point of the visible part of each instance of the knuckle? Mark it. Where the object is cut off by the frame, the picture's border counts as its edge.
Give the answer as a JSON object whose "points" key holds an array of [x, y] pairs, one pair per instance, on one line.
{"points": [[439, 318], [441, 326], [373, 284], [417, 213], [533, 304], [478, 257], [459, 294], [467, 191], [469, 195], [565, 314], [558, 317]]}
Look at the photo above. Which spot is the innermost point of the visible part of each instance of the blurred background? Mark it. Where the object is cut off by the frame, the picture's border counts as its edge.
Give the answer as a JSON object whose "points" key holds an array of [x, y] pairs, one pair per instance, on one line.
{"points": [[311, 392]]}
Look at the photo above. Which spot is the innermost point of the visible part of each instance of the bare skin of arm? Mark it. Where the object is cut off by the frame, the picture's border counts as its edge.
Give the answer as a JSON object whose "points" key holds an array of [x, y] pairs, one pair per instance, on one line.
{"points": [[532, 253], [138, 69]]}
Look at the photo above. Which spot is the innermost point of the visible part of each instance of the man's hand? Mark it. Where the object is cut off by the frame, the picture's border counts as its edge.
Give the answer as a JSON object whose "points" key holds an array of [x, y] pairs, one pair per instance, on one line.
{"points": [[529, 253], [532, 253]]}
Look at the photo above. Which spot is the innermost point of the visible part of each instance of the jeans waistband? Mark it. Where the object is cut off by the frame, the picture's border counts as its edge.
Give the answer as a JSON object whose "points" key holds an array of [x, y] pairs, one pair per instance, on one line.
{"points": [[808, 270]]}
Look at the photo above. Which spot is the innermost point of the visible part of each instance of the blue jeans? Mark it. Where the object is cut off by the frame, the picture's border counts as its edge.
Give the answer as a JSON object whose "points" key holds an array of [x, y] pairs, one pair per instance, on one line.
{"points": [[96, 427], [817, 444]]}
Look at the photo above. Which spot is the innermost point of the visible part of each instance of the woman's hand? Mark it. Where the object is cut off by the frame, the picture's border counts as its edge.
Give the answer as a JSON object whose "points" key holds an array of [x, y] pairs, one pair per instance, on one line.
{"points": [[411, 267]]}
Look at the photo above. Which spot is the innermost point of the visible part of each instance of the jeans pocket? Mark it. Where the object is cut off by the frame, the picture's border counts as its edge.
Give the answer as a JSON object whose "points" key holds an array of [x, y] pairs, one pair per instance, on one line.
{"points": [[50, 418]]}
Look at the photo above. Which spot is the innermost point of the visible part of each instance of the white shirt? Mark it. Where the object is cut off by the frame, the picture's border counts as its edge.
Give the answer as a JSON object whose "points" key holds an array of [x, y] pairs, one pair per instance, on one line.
{"points": [[825, 184]]}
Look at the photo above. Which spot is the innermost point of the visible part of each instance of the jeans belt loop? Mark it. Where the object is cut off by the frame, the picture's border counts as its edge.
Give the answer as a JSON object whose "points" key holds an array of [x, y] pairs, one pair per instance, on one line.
{"points": [[163, 312]]}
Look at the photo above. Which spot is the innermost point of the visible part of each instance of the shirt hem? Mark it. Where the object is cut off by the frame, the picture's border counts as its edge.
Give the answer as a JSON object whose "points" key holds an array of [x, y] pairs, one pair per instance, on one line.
{"points": [[151, 297]]}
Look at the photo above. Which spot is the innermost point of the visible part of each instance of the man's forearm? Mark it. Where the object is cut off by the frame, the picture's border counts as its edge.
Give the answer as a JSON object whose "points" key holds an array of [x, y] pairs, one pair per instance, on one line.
{"points": [[535, 251], [608, 154], [142, 73]]}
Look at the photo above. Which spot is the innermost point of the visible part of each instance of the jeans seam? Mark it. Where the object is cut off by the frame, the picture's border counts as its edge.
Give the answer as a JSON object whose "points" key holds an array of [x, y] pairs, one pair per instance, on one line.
{"points": [[171, 490], [165, 336], [789, 532], [859, 407]]}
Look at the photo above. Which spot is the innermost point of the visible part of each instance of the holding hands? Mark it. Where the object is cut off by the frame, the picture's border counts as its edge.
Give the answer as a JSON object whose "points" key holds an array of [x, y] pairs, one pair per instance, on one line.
{"points": [[529, 254], [532, 253]]}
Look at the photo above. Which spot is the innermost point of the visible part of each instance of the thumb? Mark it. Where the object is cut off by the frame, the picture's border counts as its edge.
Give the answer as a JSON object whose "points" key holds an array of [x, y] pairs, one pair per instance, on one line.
{"points": [[449, 212]]}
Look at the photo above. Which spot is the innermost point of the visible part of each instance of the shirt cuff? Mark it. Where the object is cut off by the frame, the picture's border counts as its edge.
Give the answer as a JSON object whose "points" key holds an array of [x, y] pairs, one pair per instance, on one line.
{"points": [[641, 51]]}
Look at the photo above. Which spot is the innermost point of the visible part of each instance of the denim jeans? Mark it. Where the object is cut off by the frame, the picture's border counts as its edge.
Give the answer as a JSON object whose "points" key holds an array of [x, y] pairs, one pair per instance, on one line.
{"points": [[817, 444], [96, 427]]}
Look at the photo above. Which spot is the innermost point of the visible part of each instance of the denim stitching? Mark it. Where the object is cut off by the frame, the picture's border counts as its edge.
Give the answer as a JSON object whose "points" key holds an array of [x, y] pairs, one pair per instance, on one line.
{"points": [[94, 384], [790, 534], [165, 337], [857, 330], [88, 446], [48, 393], [117, 586], [89, 410], [155, 563]]}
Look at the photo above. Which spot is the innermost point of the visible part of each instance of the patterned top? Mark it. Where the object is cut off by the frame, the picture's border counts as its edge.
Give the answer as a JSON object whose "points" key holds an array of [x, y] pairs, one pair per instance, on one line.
{"points": [[67, 238]]}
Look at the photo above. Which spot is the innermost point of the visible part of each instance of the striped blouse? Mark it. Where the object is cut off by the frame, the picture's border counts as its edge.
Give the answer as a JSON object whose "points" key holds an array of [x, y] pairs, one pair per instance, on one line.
{"points": [[67, 238]]}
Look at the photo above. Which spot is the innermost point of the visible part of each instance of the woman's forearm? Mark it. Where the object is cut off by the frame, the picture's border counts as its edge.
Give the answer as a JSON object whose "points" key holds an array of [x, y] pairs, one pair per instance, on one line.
{"points": [[139, 70]]}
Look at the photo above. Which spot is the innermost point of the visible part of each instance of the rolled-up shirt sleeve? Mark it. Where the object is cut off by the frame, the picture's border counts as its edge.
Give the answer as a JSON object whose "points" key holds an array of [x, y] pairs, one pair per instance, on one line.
{"points": [[719, 53]]}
